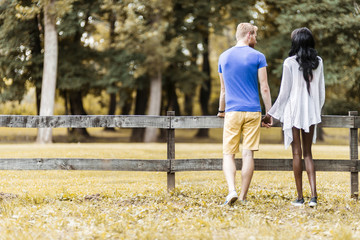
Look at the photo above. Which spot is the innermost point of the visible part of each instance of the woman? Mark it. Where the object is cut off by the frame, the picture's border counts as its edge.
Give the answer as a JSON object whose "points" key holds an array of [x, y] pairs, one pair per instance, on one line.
{"points": [[298, 106]]}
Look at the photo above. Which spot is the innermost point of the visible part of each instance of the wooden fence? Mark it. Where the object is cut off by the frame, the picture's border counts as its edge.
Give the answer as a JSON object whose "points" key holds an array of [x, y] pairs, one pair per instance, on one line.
{"points": [[171, 165]]}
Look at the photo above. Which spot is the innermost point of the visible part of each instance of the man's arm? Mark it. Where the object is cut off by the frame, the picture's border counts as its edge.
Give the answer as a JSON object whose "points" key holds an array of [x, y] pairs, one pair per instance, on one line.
{"points": [[265, 94], [222, 97]]}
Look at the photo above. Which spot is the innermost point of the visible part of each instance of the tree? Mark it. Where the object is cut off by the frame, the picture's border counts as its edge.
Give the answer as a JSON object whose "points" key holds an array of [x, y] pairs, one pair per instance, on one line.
{"points": [[21, 59], [183, 72], [211, 16], [116, 59], [50, 70], [157, 50], [335, 25], [143, 31], [79, 63]]}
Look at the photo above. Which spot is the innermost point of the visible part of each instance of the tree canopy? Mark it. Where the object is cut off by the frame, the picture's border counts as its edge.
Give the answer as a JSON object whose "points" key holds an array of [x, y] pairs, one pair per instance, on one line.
{"points": [[120, 46]]}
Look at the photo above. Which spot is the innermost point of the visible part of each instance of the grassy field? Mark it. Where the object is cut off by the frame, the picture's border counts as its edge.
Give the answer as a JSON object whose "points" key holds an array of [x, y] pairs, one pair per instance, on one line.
{"points": [[136, 205]]}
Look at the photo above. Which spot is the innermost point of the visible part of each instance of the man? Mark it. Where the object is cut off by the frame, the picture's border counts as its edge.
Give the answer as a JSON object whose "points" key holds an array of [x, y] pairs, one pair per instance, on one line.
{"points": [[240, 69]]}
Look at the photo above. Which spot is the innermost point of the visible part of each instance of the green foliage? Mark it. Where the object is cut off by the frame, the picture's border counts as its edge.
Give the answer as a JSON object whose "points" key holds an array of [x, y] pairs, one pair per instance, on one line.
{"points": [[338, 106], [142, 32], [77, 62], [335, 25], [117, 45], [20, 51]]}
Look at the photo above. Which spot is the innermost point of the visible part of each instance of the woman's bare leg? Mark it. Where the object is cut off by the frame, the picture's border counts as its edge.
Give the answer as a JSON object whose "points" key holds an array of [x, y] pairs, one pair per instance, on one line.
{"points": [[309, 163], [297, 164]]}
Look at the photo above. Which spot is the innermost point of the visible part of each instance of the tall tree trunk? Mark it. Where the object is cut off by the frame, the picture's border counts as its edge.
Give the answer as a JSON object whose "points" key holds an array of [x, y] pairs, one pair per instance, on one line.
{"points": [[137, 134], [188, 104], [173, 104], [112, 108], [49, 72], [189, 96], [36, 51], [112, 105], [206, 86], [66, 104], [38, 99], [154, 106], [76, 108], [125, 110]]}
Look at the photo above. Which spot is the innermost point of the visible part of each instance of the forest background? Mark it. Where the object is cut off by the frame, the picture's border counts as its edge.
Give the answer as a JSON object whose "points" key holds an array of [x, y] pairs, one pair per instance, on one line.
{"points": [[148, 57]]}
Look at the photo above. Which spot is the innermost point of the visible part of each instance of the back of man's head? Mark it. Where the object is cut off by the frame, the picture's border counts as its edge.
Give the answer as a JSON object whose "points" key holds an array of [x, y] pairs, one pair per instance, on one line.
{"points": [[243, 29]]}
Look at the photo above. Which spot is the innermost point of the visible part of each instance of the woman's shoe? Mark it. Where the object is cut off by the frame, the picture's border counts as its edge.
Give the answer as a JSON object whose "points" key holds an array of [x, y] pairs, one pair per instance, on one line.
{"points": [[298, 202], [313, 202]]}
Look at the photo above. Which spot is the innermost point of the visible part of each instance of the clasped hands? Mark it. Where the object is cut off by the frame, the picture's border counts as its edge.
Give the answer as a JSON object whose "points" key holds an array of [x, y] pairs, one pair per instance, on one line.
{"points": [[267, 121]]}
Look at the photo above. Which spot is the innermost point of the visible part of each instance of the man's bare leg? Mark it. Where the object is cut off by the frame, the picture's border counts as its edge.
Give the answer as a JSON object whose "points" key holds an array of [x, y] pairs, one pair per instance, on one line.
{"points": [[229, 169], [247, 171]]}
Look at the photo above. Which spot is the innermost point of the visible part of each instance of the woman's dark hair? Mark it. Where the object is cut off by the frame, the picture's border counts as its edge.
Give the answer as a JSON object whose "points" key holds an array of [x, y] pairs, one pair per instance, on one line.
{"points": [[303, 46]]}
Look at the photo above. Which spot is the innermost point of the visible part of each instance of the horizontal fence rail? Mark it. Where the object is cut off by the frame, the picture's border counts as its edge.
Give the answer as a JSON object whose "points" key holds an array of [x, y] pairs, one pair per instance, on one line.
{"points": [[171, 165], [144, 121], [215, 122], [84, 121], [213, 164], [84, 164], [178, 165]]}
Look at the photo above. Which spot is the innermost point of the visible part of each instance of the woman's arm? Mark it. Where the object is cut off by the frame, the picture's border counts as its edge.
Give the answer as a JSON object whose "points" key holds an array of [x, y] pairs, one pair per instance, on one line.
{"points": [[277, 110], [322, 86]]}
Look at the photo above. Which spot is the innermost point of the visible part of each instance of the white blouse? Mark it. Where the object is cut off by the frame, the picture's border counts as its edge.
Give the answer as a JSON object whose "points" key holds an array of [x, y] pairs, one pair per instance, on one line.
{"points": [[295, 107]]}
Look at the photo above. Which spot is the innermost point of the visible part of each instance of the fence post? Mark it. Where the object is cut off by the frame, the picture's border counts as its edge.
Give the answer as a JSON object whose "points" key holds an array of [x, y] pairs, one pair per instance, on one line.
{"points": [[170, 153], [354, 178]]}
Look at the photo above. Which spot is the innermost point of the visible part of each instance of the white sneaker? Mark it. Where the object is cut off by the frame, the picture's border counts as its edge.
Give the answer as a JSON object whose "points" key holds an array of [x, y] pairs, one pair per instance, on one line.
{"points": [[298, 202], [313, 202], [231, 198]]}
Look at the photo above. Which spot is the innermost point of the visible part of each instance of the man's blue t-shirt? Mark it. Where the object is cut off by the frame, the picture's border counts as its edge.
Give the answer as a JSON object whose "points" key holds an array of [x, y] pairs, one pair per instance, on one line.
{"points": [[239, 66]]}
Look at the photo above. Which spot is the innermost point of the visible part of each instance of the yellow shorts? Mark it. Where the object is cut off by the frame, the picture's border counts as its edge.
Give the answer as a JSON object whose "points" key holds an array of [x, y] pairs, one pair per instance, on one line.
{"points": [[245, 123]]}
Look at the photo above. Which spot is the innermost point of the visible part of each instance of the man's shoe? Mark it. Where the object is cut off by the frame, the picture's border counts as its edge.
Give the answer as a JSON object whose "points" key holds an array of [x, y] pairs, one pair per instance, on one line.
{"points": [[231, 198], [298, 202], [313, 202]]}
